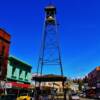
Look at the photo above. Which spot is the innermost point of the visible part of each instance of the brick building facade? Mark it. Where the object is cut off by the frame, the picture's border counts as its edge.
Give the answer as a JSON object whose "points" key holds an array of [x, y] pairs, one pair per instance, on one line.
{"points": [[94, 77], [4, 52]]}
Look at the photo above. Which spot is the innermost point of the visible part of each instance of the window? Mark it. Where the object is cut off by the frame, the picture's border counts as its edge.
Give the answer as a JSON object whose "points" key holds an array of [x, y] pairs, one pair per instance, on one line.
{"points": [[2, 57], [3, 50]]}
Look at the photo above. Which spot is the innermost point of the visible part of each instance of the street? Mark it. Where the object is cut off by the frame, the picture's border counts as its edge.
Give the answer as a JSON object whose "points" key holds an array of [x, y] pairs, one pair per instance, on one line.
{"points": [[61, 98], [86, 99]]}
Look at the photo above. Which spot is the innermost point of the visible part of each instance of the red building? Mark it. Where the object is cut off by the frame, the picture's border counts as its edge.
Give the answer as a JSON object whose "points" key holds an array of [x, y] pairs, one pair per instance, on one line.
{"points": [[94, 83], [4, 52], [94, 77]]}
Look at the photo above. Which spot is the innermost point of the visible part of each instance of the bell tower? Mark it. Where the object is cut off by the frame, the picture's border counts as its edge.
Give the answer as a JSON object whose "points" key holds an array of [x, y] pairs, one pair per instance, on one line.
{"points": [[50, 50]]}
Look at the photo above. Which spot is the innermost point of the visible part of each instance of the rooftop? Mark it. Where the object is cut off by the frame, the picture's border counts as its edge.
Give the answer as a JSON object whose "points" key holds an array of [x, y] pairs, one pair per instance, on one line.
{"points": [[50, 7], [1, 29], [49, 78], [12, 58]]}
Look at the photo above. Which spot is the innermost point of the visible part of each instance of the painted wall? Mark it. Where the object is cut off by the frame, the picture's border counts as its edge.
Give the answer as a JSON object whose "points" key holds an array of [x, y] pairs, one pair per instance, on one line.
{"points": [[18, 70]]}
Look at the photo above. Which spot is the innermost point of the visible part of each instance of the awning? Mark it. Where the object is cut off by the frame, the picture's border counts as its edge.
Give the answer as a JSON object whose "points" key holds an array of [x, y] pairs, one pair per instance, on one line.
{"points": [[18, 85], [49, 78]]}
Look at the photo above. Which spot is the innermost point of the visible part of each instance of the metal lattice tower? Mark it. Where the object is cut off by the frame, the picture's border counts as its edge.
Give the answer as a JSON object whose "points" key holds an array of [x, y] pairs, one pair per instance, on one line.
{"points": [[50, 50]]}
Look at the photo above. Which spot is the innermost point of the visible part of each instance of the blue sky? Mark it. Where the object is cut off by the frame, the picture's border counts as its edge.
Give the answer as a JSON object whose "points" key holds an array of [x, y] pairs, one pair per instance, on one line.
{"points": [[79, 32]]}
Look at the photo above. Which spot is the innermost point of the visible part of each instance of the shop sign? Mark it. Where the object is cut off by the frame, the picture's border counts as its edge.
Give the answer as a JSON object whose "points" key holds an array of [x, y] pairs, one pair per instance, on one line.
{"points": [[8, 85]]}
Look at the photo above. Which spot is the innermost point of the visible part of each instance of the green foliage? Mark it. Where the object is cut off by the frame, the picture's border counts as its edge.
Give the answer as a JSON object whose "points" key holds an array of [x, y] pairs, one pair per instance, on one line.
{"points": [[80, 86]]}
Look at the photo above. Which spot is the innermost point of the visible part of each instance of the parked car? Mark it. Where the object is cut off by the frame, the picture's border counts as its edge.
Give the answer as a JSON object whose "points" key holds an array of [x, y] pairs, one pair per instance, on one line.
{"points": [[84, 95], [74, 96], [24, 96], [81, 94]]}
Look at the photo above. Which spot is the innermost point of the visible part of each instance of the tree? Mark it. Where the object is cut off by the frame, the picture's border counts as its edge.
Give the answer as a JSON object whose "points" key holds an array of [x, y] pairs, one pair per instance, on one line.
{"points": [[80, 86]]}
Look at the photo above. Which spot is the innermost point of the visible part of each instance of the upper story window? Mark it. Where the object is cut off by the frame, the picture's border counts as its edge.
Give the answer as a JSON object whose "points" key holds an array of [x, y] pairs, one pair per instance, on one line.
{"points": [[2, 56]]}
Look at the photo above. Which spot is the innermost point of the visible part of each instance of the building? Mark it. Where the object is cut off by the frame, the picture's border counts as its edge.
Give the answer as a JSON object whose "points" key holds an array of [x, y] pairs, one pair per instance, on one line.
{"points": [[49, 85], [94, 83], [74, 87], [18, 73], [94, 77], [4, 53]]}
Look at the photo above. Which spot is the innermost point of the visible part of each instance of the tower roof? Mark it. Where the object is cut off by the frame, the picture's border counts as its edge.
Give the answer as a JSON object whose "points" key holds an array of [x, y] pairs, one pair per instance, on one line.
{"points": [[50, 7]]}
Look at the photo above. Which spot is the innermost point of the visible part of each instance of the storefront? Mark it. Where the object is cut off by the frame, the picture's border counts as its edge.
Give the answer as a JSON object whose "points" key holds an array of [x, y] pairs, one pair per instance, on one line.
{"points": [[15, 88], [18, 77]]}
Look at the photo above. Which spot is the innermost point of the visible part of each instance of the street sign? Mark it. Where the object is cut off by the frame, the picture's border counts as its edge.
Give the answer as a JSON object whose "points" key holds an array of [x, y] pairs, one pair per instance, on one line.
{"points": [[8, 85]]}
